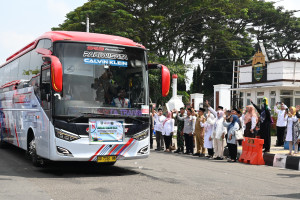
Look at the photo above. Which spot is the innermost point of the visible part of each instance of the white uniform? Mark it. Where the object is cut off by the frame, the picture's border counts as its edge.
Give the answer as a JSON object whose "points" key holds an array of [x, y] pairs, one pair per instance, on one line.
{"points": [[289, 130], [121, 103], [168, 127], [209, 127]]}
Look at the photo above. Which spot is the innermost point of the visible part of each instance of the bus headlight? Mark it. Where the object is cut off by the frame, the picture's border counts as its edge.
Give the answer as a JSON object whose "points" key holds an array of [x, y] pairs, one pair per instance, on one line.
{"points": [[141, 135], [63, 151], [65, 135]]}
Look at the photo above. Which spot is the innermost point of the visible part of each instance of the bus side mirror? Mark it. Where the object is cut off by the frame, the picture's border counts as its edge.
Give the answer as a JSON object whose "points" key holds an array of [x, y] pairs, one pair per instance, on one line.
{"points": [[165, 78], [56, 72]]}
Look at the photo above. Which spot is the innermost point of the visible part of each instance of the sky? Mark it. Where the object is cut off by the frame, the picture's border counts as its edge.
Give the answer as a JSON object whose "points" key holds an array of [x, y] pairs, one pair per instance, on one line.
{"points": [[22, 21]]}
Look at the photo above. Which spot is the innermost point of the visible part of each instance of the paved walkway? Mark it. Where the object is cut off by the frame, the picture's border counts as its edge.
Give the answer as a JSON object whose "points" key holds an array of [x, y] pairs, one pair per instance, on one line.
{"points": [[277, 157]]}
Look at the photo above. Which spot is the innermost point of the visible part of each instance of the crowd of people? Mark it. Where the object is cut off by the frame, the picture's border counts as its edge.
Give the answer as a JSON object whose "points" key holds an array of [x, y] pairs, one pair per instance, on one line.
{"points": [[215, 130]]}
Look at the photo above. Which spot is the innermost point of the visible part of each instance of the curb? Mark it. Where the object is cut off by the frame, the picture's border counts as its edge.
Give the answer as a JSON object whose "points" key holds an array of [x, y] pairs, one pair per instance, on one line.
{"points": [[272, 160], [282, 161]]}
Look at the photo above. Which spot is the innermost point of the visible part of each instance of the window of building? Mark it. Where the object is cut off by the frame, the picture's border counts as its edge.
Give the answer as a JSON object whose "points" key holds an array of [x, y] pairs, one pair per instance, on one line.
{"points": [[286, 92], [272, 104], [297, 101], [286, 96], [260, 93], [288, 101], [248, 102], [248, 94], [259, 101], [273, 93]]}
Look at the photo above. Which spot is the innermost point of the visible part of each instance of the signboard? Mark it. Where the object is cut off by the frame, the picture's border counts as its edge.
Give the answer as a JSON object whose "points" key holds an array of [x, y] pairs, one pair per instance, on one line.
{"points": [[103, 130], [259, 68]]}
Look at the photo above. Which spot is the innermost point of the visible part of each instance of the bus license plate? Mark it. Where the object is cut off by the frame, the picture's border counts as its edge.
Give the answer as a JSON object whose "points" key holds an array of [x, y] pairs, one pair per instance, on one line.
{"points": [[101, 159]]}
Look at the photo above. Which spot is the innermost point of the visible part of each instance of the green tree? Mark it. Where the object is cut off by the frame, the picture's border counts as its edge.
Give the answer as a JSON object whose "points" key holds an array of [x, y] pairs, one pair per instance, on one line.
{"points": [[215, 31]]}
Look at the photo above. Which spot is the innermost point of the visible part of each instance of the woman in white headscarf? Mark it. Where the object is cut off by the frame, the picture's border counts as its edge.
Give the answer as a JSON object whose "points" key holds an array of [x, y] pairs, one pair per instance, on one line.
{"points": [[209, 127], [219, 135]]}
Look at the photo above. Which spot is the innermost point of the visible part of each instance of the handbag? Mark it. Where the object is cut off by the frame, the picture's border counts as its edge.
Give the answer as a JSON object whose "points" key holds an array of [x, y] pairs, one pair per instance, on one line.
{"points": [[172, 147], [239, 134]]}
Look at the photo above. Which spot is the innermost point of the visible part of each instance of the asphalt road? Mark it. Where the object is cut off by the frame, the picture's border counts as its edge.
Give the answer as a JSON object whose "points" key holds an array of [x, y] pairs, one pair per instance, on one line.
{"points": [[162, 176]]}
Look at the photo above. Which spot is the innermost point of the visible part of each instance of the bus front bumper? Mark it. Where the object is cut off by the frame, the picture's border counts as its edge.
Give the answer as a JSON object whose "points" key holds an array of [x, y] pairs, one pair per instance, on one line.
{"points": [[84, 150]]}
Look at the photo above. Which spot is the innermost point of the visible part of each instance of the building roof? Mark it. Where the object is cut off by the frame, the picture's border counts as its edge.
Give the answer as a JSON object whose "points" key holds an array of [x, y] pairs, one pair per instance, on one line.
{"points": [[273, 61]]}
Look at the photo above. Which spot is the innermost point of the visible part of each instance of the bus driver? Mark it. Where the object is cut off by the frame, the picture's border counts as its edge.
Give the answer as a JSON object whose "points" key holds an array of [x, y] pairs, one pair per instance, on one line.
{"points": [[121, 101]]}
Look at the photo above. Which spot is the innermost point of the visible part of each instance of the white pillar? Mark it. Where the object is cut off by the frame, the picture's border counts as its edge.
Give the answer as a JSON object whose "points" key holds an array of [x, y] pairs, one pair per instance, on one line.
{"points": [[174, 77], [197, 99], [87, 24], [223, 97]]}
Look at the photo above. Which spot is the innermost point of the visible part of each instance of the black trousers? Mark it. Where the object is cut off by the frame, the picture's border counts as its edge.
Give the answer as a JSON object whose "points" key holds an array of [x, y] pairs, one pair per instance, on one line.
{"points": [[280, 135], [210, 152], [232, 148], [167, 141], [189, 143], [159, 140], [265, 134], [151, 137]]}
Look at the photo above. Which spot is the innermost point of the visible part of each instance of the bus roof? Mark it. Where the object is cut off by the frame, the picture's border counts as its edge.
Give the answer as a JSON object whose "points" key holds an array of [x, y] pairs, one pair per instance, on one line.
{"points": [[79, 37]]}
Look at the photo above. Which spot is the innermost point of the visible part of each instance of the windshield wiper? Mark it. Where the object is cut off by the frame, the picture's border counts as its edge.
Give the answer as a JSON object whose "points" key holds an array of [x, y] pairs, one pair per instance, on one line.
{"points": [[134, 118], [84, 115]]}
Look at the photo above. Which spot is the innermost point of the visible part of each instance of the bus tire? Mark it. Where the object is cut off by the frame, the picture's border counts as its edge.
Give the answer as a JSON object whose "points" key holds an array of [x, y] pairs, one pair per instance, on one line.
{"points": [[3, 144], [35, 159]]}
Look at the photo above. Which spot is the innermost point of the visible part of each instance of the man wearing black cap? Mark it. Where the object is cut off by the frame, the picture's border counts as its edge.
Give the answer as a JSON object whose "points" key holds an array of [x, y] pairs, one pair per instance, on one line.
{"points": [[199, 132]]}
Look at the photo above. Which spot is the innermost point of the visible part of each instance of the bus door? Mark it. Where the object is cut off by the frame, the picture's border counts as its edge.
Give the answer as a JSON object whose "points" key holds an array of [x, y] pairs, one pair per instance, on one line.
{"points": [[42, 143], [46, 90]]}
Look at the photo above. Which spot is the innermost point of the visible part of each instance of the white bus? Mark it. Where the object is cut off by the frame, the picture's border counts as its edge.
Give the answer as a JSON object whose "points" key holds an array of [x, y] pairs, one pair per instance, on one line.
{"points": [[74, 96]]}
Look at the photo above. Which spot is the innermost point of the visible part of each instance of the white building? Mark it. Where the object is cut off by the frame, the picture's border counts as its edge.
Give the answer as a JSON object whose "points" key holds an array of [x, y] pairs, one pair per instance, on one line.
{"points": [[278, 80]]}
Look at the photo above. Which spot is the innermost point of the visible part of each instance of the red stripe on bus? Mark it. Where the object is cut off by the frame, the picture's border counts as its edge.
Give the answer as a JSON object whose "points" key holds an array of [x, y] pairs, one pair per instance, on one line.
{"points": [[113, 149], [125, 146], [17, 136], [97, 152]]}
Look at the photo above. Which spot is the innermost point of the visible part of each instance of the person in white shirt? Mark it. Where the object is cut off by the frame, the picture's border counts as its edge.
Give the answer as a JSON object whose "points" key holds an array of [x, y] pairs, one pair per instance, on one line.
{"points": [[168, 130], [281, 123], [219, 135], [121, 101], [159, 118], [292, 132], [208, 131], [219, 131]]}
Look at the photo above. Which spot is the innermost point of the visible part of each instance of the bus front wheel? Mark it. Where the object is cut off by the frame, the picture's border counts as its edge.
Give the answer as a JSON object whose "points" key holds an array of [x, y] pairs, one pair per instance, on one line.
{"points": [[35, 159], [3, 145]]}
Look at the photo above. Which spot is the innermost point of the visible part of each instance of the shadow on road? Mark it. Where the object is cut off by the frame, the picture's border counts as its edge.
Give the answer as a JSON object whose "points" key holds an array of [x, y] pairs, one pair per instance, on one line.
{"points": [[289, 196], [14, 163], [289, 175]]}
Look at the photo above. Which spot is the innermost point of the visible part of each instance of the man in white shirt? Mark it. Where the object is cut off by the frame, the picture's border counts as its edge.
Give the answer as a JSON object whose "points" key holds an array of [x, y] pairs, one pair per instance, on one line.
{"points": [[281, 122], [121, 101], [159, 119]]}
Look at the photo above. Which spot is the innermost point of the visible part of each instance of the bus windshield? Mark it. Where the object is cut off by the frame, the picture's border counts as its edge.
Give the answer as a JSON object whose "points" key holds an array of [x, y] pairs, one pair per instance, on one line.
{"points": [[101, 79]]}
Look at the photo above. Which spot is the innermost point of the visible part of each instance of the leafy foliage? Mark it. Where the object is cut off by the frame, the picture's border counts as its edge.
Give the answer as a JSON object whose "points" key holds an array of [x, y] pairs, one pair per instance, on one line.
{"points": [[216, 32]]}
